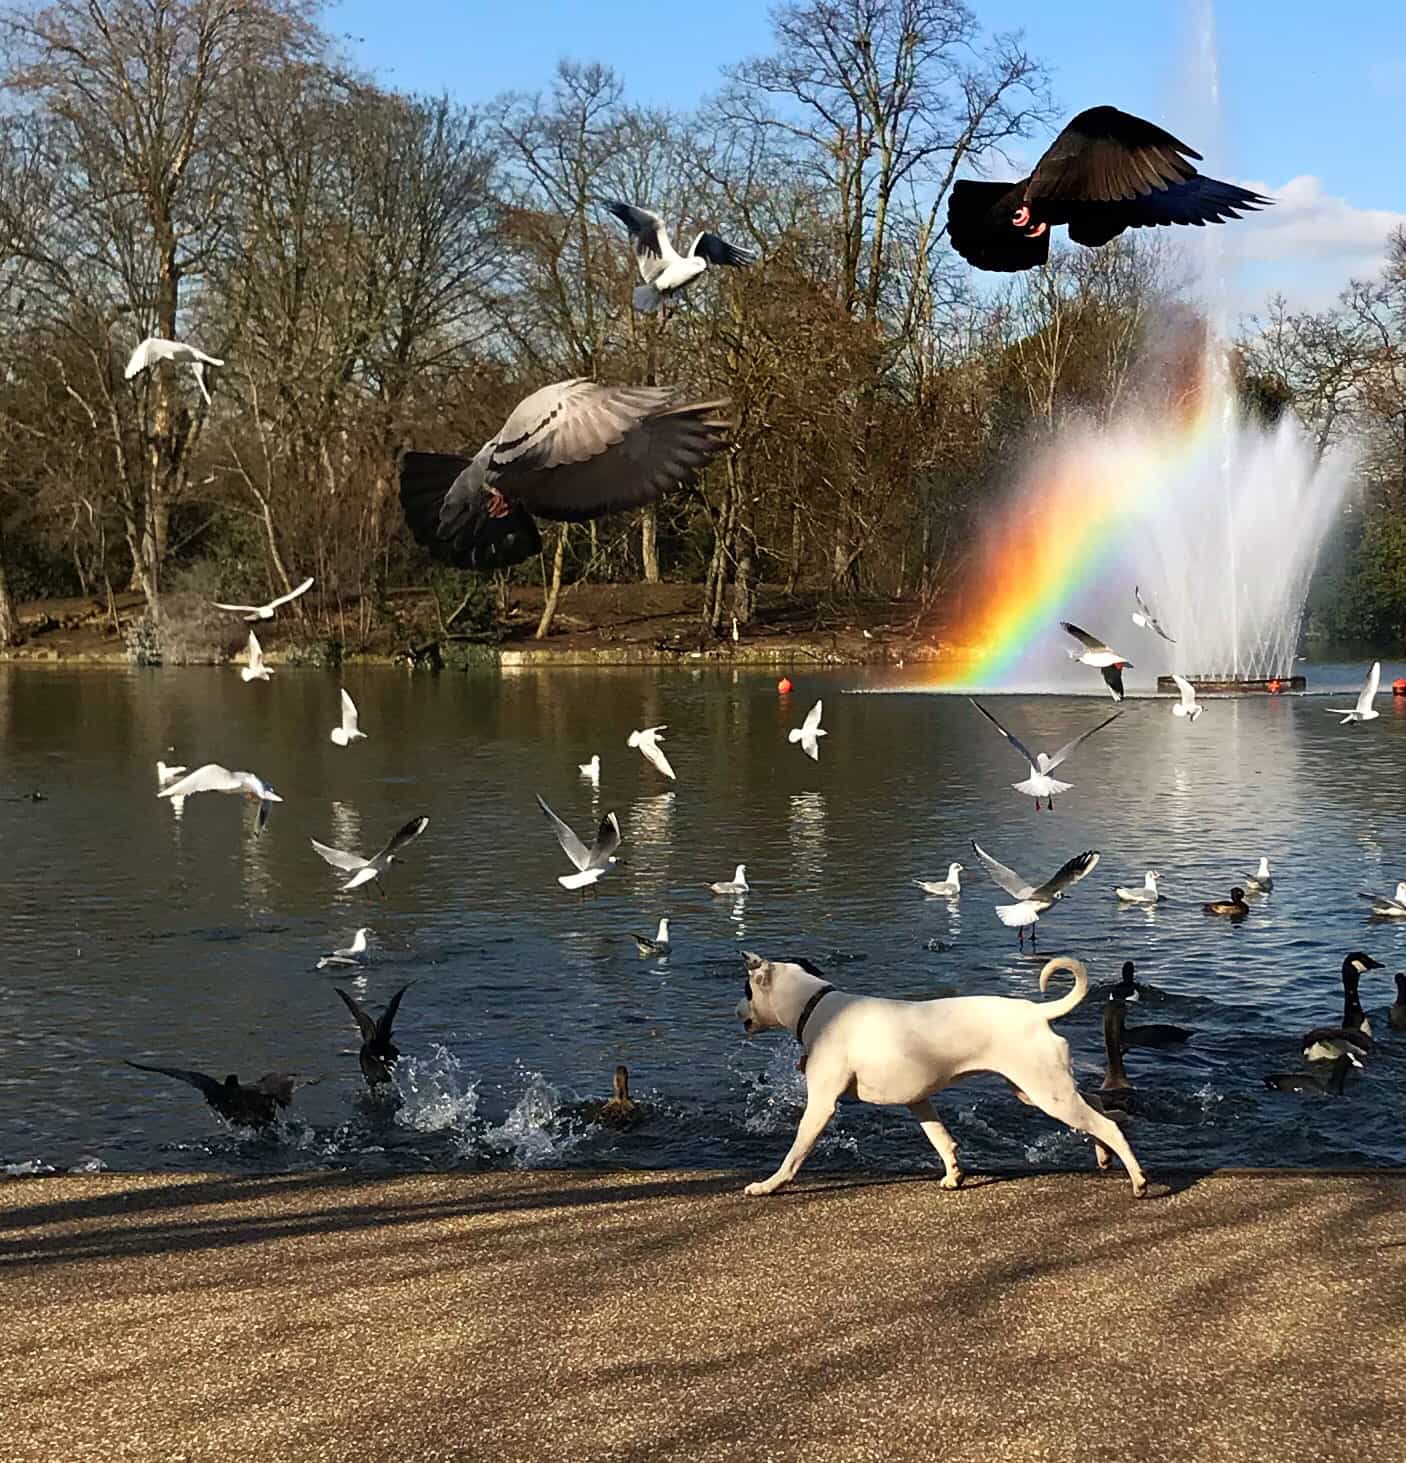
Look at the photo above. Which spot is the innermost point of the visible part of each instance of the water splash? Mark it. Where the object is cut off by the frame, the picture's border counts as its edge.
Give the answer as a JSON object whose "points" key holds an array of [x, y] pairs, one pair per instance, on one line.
{"points": [[534, 1133], [436, 1093]]}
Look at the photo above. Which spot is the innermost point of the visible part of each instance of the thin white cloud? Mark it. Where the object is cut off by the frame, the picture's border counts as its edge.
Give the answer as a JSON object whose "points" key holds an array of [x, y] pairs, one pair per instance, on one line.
{"points": [[1307, 223]]}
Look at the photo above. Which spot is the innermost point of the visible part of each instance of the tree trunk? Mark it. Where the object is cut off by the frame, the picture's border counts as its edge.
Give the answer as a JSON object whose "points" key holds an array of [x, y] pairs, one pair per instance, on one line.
{"points": [[9, 620], [649, 552], [549, 609]]}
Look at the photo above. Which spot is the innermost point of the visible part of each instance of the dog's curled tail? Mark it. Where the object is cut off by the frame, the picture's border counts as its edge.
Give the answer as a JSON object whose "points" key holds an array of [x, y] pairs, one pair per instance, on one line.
{"points": [[1053, 1010]]}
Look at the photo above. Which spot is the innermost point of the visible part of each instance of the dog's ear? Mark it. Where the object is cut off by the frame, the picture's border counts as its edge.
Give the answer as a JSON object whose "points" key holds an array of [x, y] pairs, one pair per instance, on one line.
{"points": [[758, 970]]}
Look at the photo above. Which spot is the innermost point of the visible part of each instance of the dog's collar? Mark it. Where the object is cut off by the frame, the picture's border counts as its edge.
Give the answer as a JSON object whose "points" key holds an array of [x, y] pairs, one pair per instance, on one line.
{"points": [[810, 1006]]}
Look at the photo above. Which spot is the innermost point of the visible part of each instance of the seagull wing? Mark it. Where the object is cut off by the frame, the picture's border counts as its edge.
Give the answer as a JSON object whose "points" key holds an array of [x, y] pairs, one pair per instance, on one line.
{"points": [[406, 834], [262, 817], [1082, 636], [576, 449], [716, 250], [1107, 156], [654, 753], [209, 778], [607, 841], [1015, 741], [648, 236], [283, 599], [1079, 867], [139, 360], [1048, 764], [349, 717], [387, 1021], [256, 653], [1188, 691], [1369, 689], [364, 1023], [363, 875], [238, 609], [349, 863], [812, 720], [1008, 879], [571, 846], [208, 1085]]}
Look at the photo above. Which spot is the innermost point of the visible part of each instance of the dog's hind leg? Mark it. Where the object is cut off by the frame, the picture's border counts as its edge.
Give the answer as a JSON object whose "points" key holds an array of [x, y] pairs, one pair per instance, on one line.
{"points": [[819, 1110], [940, 1139], [1061, 1100]]}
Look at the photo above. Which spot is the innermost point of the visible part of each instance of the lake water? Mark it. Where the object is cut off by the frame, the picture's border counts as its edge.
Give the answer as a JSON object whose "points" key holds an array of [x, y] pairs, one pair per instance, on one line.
{"points": [[189, 941]]}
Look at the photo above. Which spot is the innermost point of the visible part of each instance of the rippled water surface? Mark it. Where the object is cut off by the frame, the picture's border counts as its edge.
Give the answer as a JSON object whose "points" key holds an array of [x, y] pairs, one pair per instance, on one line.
{"points": [[189, 941]]}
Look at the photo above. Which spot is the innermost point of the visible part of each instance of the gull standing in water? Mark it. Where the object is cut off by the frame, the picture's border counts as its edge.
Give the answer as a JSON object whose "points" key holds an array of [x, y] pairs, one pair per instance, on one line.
{"points": [[1040, 784], [256, 670], [1188, 706], [214, 778], [363, 870], [1109, 664], [350, 729], [808, 732], [1388, 906], [591, 770], [1146, 620], [592, 864], [154, 349], [349, 953], [1260, 882], [948, 888], [659, 945], [663, 269], [265, 612], [736, 885], [1032, 899], [1363, 710], [648, 743], [1146, 895]]}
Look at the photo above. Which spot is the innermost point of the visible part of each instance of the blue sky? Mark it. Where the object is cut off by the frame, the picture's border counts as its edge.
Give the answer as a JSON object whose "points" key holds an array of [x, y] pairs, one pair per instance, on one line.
{"points": [[1313, 95]]}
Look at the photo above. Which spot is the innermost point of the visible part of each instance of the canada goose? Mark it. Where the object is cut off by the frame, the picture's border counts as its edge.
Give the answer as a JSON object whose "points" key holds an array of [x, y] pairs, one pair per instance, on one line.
{"points": [[1397, 1018], [1330, 1081], [1154, 1035], [1354, 1037]]}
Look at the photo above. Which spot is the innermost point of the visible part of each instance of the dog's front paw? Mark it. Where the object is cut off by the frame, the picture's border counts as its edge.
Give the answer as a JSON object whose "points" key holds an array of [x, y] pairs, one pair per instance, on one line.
{"points": [[1140, 1189], [951, 1180], [756, 1191]]}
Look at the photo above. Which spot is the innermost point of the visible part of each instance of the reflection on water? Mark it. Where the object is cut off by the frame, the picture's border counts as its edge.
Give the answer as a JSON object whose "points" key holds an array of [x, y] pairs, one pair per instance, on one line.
{"points": [[191, 941]]}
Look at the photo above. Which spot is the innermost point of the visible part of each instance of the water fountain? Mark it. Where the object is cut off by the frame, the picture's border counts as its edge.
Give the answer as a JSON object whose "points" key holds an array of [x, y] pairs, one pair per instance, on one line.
{"points": [[1215, 514]]}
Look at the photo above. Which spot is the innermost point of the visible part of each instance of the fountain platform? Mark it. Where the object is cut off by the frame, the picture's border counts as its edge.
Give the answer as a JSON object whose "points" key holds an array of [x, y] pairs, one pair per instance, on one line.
{"points": [[1237, 685]]}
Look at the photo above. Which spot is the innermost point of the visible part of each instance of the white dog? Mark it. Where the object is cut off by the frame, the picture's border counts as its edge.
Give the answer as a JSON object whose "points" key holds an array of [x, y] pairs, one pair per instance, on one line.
{"points": [[904, 1051]]}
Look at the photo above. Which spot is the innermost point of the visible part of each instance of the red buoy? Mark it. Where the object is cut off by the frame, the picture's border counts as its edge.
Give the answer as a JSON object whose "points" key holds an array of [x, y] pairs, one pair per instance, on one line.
{"points": [[784, 685], [1398, 686]]}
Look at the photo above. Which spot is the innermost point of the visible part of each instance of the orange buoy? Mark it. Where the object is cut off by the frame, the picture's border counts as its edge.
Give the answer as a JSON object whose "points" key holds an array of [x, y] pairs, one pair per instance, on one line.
{"points": [[1274, 687], [784, 685], [1398, 686]]}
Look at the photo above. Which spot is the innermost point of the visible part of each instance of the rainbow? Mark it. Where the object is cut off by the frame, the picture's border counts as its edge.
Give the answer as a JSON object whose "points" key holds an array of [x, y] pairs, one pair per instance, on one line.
{"points": [[1023, 573]]}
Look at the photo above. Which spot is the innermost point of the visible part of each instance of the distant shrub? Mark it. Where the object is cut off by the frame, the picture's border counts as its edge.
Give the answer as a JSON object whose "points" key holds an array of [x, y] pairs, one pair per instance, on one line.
{"points": [[187, 630]]}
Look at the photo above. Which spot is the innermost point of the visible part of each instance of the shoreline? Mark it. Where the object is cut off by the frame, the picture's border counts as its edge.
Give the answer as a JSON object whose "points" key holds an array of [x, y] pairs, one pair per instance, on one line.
{"points": [[640, 1314]]}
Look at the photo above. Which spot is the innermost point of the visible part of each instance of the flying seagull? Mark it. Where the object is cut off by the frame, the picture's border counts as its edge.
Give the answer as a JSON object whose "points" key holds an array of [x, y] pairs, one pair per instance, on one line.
{"points": [[256, 670], [154, 349], [648, 743], [591, 863], [659, 945], [214, 778], [245, 1104], [1109, 664], [1188, 706], [1040, 784], [664, 271], [1389, 906], [808, 732], [574, 450], [1033, 900], [348, 954], [363, 870], [736, 885], [1363, 710], [379, 1053], [948, 888], [265, 612], [1106, 172], [350, 730], [1146, 620]]}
